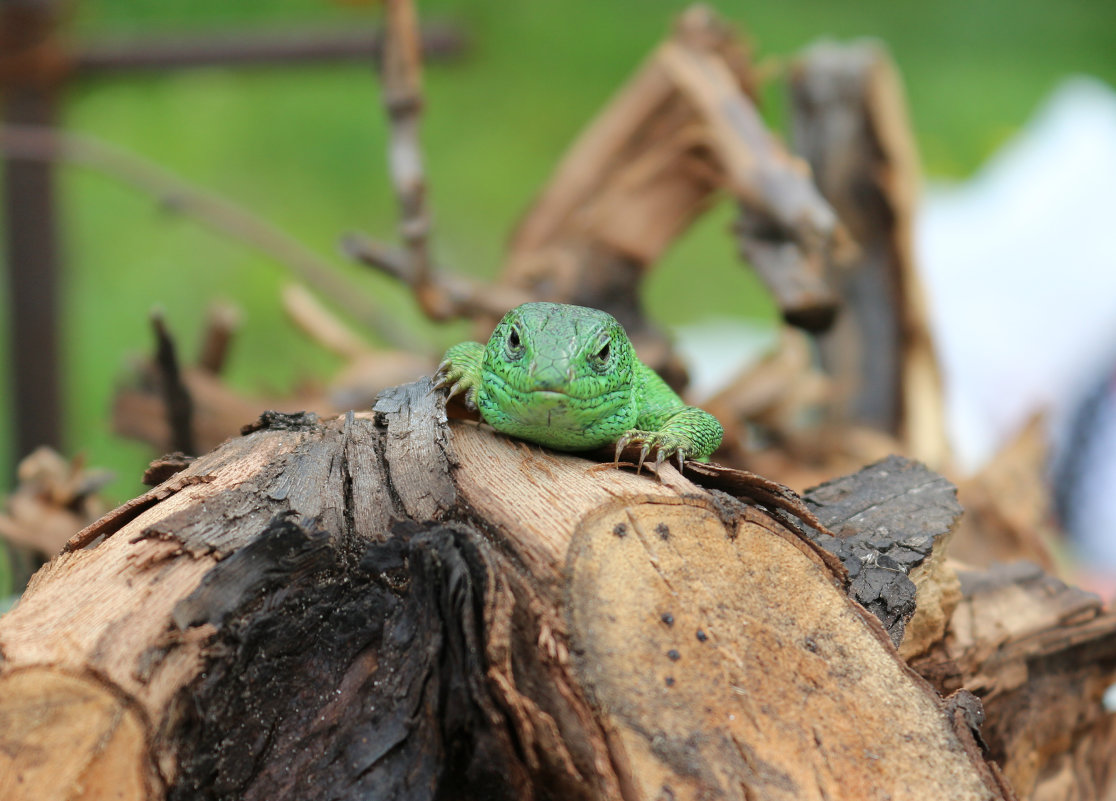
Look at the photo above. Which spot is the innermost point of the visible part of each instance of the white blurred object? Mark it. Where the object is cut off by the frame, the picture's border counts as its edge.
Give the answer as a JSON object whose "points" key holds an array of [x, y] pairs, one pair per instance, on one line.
{"points": [[1020, 267]]}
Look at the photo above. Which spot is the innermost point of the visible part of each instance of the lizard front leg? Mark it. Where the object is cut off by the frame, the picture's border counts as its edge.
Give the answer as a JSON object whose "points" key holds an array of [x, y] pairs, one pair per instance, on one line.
{"points": [[668, 426], [460, 370]]}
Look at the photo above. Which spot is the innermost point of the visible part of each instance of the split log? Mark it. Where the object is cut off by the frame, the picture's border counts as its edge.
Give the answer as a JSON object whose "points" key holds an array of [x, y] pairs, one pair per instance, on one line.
{"points": [[394, 605], [850, 122], [1040, 655], [1010, 505]]}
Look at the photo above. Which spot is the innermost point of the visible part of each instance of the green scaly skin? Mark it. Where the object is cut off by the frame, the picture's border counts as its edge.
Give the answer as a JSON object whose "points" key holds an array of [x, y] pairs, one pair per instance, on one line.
{"points": [[567, 377]]}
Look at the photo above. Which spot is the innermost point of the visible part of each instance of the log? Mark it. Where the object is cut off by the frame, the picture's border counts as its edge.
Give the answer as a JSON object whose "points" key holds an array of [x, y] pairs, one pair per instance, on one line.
{"points": [[850, 122], [1010, 505], [1040, 655], [391, 605]]}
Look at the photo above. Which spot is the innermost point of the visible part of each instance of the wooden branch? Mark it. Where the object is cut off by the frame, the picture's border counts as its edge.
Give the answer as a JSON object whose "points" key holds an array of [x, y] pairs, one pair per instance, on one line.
{"points": [[143, 410], [401, 74], [776, 393], [458, 293], [1010, 506], [322, 327], [139, 409], [180, 197], [440, 295], [786, 229], [457, 612], [54, 498]]}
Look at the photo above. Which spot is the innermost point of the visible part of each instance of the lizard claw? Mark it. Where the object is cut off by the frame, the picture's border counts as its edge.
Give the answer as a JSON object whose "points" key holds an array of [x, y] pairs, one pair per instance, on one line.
{"points": [[470, 396], [666, 447], [620, 445], [455, 389]]}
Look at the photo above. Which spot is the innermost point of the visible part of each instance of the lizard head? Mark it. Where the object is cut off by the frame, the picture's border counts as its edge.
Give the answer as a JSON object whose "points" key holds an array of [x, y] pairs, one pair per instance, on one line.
{"points": [[561, 368]]}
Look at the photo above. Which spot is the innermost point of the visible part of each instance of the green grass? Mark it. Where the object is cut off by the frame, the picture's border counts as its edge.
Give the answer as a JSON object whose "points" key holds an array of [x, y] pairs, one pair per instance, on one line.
{"points": [[305, 148]]}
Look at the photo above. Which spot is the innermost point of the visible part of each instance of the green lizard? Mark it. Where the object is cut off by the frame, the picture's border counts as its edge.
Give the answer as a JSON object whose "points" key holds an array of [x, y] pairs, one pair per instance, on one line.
{"points": [[567, 377]]}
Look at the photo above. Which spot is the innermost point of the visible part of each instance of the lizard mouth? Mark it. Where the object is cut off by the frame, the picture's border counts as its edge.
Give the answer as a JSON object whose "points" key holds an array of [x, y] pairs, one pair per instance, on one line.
{"points": [[542, 407]]}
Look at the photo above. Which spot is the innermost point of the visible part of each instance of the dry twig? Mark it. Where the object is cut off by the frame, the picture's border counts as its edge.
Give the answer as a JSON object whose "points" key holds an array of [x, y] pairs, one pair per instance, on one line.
{"points": [[402, 97], [176, 397], [221, 325], [215, 212]]}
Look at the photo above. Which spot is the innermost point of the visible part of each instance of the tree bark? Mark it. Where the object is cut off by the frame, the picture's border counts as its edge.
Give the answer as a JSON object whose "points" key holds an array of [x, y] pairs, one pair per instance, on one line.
{"points": [[388, 605]]}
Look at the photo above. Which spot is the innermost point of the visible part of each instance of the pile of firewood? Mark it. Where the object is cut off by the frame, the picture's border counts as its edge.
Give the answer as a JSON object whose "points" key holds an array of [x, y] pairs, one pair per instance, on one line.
{"points": [[402, 604]]}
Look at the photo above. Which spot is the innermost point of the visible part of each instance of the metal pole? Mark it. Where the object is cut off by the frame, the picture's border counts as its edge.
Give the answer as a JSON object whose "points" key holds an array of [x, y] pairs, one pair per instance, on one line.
{"points": [[31, 230]]}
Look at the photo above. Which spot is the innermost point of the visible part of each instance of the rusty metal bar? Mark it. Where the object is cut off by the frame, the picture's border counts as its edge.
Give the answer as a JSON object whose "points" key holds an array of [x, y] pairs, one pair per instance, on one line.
{"points": [[32, 257], [28, 68], [248, 48]]}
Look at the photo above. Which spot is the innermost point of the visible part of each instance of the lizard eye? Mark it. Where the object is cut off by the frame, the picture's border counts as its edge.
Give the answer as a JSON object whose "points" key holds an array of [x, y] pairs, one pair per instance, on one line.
{"points": [[514, 344], [600, 358]]}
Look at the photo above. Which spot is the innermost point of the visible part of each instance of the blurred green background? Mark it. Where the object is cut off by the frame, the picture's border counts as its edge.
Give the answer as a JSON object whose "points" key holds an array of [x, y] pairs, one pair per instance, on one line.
{"points": [[305, 148]]}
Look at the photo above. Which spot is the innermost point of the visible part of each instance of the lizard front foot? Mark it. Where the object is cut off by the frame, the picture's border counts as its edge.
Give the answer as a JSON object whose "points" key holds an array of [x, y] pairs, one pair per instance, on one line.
{"points": [[460, 371], [663, 443]]}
